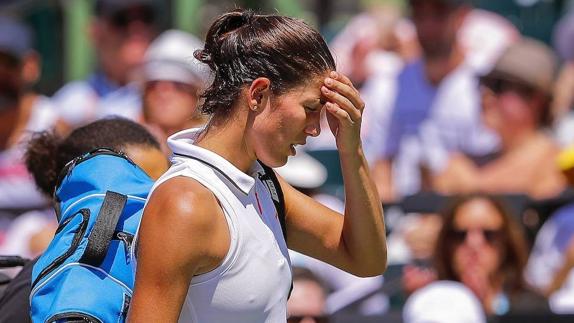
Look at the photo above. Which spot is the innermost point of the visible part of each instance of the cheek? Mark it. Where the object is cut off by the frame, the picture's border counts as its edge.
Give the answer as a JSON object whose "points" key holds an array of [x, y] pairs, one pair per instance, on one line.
{"points": [[513, 108], [490, 259], [459, 259], [282, 125]]}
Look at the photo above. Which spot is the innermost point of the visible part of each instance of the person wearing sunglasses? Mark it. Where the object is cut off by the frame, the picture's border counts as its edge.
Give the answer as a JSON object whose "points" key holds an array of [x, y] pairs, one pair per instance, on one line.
{"points": [[482, 246], [516, 96], [120, 33], [307, 301]]}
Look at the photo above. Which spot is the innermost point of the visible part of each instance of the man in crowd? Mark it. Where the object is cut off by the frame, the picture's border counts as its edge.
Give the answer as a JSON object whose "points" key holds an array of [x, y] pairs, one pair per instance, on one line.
{"points": [[120, 33], [435, 108], [21, 111]]}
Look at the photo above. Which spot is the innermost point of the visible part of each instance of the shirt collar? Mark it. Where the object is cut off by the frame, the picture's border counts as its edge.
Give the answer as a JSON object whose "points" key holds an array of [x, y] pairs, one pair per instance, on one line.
{"points": [[182, 143]]}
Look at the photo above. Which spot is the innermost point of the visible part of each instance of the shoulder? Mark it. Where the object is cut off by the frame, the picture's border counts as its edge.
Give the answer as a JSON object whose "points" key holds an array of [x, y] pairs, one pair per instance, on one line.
{"points": [[182, 212], [75, 89], [182, 204]]}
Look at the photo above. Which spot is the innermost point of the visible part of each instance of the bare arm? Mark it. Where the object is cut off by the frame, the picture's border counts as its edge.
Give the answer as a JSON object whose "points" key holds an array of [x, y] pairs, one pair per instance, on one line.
{"points": [[459, 176], [563, 272], [181, 216], [355, 242]]}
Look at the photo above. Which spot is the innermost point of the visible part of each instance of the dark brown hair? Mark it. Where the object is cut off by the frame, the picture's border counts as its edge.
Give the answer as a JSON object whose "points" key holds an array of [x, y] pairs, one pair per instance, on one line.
{"points": [[47, 153], [513, 251], [241, 46], [305, 274]]}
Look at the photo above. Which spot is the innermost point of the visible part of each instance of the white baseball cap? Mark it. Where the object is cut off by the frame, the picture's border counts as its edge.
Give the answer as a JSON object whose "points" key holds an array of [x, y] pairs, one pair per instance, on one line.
{"points": [[443, 302], [170, 58]]}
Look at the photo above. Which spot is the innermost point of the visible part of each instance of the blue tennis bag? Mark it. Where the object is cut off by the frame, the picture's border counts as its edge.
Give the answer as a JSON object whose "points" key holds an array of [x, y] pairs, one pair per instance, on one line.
{"points": [[87, 272]]}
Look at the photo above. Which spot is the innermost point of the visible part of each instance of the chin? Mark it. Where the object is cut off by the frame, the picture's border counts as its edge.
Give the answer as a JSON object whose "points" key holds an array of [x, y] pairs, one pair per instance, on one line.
{"points": [[275, 162]]}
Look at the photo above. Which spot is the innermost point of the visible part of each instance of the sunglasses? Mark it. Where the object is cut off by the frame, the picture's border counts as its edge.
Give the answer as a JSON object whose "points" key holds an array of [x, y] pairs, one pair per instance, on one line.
{"points": [[123, 18], [489, 235], [499, 86], [317, 319]]}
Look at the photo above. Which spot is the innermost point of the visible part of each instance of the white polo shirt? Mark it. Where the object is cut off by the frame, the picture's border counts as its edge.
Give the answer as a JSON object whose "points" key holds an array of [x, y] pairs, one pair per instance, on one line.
{"points": [[253, 282]]}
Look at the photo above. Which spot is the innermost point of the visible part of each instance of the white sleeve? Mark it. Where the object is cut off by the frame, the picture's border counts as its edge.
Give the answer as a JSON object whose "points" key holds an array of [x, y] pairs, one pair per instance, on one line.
{"points": [[76, 103], [378, 93], [545, 258]]}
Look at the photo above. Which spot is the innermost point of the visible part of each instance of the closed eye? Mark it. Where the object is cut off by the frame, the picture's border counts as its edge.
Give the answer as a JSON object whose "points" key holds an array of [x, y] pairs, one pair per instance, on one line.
{"points": [[310, 109]]}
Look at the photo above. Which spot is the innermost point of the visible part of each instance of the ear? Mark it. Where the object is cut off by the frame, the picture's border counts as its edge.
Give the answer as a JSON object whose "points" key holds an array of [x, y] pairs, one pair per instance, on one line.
{"points": [[31, 66], [94, 31], [460, 14], [258, 93]]}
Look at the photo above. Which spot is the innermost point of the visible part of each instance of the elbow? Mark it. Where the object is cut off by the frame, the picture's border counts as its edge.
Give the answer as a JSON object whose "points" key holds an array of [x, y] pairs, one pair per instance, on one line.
{"points": [[371, 271], [376, 267]]}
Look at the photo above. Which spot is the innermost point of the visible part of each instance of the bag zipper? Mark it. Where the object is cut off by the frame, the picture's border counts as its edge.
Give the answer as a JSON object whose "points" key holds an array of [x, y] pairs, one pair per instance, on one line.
{"points": [[75, 242]]}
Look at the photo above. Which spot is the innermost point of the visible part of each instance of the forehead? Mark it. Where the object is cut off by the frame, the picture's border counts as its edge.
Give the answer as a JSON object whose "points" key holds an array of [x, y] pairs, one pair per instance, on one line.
{"points": [[308, 89], [478, 213], [431, 7]]}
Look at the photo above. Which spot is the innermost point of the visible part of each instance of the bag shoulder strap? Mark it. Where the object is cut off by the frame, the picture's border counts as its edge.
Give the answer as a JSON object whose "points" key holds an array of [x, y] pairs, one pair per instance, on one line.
{"points": [[104, 228], [272, 183]]}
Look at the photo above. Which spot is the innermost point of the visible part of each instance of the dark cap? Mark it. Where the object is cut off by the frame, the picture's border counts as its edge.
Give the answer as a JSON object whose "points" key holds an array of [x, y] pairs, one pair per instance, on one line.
{"points": [[529, 62], [15, 38], [108, 8], [452, 3]]}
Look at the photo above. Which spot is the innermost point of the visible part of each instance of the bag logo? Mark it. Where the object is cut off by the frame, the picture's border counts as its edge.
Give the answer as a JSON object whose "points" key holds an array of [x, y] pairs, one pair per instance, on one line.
{"points": [[272, 190]]}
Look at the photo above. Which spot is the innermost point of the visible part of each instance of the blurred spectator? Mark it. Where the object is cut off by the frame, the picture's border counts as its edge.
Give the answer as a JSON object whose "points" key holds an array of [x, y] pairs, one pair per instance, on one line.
{"points": [[444, 302], [551, 262], [371, 49], [120, 32], [515, 97], [373, 42], [173, 80], [482, 246], [563, 101], [307, 301], [439, 90], [21, 111]]}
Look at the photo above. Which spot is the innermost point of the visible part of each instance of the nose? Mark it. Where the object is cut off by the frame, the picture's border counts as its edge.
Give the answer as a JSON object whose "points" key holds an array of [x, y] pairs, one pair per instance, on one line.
{"points": [[313, 128], [475, 238]]}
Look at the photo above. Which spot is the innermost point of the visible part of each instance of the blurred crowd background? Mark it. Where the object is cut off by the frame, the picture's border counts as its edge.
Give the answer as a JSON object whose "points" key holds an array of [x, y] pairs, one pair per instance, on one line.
{"points": [[468, 129]]}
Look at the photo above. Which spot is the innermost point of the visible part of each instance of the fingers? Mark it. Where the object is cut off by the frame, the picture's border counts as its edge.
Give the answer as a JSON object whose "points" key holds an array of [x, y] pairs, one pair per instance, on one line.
{"points": [[339, 113], [341, 84], [343, 103]]}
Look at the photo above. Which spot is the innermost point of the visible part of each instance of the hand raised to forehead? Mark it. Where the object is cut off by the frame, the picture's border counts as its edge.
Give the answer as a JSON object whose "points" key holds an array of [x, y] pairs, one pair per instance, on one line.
{"points": [[344, 110]]}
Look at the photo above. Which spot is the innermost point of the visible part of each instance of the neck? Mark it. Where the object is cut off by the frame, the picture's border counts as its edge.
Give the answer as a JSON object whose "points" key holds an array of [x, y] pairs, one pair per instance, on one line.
{"points": [[496, 287], [8, 126], [437, 68], [191, 123], [227, 139], [514, 139]]}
